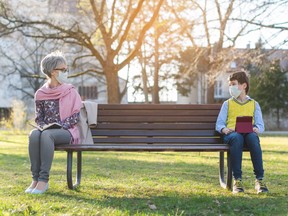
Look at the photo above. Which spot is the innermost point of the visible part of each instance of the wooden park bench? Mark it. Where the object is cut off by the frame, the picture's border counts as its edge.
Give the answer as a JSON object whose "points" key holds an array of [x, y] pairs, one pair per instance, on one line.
{"points": [[146, 127]]}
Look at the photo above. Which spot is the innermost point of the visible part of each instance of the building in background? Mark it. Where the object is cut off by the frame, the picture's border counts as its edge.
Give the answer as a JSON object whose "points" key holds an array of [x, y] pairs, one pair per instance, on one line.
{"points": [[21, 56], [198, 92]]}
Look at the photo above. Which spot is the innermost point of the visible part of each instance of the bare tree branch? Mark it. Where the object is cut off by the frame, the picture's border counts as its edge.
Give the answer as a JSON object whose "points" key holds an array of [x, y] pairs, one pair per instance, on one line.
{"points": [[124, 20], [85, 72], [141, 36], [205, 22], [112, 18], [129, 23], [185, 26], [280, 26]]}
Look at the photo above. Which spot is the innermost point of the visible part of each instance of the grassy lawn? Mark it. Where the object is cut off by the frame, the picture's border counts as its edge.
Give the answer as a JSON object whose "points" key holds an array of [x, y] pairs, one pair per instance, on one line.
{"points": [[142, 183]]}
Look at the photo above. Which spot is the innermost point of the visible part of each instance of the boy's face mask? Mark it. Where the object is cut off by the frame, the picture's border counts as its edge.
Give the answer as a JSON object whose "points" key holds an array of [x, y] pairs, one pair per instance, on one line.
{"points": [[234, 91]]}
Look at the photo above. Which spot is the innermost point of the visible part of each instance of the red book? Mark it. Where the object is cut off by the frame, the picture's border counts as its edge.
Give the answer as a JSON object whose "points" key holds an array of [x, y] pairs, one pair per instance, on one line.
{"points": [[244, 124]]}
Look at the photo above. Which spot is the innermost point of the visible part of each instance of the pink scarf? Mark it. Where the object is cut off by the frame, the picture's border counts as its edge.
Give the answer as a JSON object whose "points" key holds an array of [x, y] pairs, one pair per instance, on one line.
{"points": [[69, 103]]}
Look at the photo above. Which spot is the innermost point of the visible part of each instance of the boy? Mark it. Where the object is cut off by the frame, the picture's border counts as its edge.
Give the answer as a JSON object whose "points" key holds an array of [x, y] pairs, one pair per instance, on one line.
{"points": [[240, 104]]}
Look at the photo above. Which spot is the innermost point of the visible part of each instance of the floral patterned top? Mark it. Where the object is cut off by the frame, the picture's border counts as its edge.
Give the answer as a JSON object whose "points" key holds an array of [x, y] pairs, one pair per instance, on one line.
{"points": [[47, 111]]}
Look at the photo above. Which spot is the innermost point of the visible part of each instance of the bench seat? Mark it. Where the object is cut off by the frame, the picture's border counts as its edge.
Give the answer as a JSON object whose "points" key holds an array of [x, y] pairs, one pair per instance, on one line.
{"points": [[157, 128], [158, 148]]}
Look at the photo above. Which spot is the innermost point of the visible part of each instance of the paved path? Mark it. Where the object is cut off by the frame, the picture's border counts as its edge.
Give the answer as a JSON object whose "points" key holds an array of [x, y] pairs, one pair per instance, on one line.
{"points": [[276, 133]]}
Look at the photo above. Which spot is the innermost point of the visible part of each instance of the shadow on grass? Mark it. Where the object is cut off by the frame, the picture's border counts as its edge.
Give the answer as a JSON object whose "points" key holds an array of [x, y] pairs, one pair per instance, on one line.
{"points": [[111, 166], [101, 167], [9, 141], [190, 204], [15, 158], [275, 152]]}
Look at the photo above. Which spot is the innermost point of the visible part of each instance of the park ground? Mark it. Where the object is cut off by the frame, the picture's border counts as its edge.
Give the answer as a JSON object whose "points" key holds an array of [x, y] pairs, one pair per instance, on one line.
{"points": [[121, 183]]}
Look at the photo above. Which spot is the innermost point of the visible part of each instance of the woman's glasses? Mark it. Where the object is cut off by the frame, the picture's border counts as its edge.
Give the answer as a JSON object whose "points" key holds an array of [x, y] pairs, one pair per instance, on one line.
{"points": [[63, 70]]}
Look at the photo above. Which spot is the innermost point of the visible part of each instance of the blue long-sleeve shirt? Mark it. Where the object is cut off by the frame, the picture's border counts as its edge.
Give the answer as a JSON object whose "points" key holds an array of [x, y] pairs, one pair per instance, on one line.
{"points": [[223, 114]]}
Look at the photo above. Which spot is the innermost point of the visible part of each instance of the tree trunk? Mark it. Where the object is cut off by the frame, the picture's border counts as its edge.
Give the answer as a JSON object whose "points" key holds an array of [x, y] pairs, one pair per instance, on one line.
{"points": [[112, 80], [156, 69], [210, 92], [145, 84], [278, 118], [143, 64], [156, 86]]}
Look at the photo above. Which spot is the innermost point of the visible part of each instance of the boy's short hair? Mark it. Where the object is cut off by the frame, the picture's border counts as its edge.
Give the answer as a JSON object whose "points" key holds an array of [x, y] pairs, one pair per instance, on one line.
{"points": [[241, 77]]}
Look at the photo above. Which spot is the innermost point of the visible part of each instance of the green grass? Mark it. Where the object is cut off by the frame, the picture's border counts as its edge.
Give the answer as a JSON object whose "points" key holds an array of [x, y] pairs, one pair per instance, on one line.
{"points": [[124, 183]]}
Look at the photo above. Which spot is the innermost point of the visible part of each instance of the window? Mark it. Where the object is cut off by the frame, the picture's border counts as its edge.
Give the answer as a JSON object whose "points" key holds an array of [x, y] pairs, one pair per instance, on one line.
{"points": [[68, 6], [88, 92], [218, 88], [233, 65], [56, 6], [5, 113]]}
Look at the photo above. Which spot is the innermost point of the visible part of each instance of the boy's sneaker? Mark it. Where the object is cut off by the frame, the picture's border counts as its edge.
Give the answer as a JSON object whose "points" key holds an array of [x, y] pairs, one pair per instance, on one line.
{"points": [[238, 186], [260, 186]]}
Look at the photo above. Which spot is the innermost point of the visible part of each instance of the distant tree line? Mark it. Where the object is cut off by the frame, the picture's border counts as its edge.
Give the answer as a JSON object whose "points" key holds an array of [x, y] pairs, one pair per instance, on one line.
{"points": [[153, 35]]}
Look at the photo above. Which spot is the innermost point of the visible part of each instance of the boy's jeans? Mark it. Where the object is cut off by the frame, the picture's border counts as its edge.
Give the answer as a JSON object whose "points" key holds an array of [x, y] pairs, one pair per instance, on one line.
{"points": [[236, 142]]}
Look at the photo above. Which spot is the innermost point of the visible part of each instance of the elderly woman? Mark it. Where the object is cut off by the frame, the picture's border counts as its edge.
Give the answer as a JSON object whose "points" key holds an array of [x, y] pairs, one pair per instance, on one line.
{"points": [[55, 102]]}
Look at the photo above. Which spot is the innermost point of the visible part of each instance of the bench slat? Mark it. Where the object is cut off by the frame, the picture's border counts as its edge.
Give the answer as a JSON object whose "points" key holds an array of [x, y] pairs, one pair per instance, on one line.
{"points": [[182, 133], [170, 112], [165, 140], [157, 119], [159, 106], [152, 126]]}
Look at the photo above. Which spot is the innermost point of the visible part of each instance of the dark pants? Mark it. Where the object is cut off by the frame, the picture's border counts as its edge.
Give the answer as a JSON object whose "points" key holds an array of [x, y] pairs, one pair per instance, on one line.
{"points": [[41, 150], [236, 142]]}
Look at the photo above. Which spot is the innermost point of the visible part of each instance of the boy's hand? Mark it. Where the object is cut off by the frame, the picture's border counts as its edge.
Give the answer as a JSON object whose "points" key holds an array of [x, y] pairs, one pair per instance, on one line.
{"points": [[256, 130], [227, 130]]}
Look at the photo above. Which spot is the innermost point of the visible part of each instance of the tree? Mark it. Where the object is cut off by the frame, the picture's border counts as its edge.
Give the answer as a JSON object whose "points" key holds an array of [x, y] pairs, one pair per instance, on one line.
{"points": [[203, 30], [101, 28], [160, 46], [112, 33], [216, 26], [270, 88], [25, 63], [192, 61], [277, 25]]}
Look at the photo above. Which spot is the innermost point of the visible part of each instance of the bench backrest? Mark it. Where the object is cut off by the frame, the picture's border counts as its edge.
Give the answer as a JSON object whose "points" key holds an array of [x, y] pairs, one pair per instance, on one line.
{"points": [[156, 124]]}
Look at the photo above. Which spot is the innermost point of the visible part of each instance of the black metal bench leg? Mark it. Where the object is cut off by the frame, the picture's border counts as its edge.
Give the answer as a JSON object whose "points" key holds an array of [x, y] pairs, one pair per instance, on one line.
{"points": [[222, 170], [227, 184], [229, 172], [79, 169], [69, 169]]}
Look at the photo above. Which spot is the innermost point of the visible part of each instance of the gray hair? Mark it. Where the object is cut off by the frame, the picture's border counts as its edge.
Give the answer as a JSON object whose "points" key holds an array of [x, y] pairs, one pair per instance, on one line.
{"points": [[52, 61]]}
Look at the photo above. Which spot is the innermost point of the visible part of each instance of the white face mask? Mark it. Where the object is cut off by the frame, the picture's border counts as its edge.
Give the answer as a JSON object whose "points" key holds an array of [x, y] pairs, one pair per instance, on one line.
{"points": [[234, 91], [62, 77]]}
